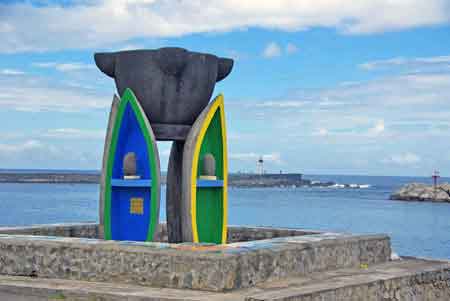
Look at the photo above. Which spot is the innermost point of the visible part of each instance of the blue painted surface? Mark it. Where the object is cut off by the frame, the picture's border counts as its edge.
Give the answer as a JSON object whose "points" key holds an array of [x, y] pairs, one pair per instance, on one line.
{"points": [[131, 139], [209, 183], [124, 225], [131, 183]]}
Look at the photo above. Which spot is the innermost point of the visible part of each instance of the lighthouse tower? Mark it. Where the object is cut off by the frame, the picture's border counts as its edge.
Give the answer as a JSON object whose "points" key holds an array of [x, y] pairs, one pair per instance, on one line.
{"points": [[260, 166]]}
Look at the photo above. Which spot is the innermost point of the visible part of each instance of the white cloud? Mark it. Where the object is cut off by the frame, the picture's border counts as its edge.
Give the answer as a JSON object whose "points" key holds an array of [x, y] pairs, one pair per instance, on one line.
{"points": [[389, 111], [71, 133], [37, 154], [253, 157], [11, 72], [272, 50], [419, 62], [377, 129], [77, 85], [65, 67], [291, 48], [237, 55], [322, 132], [36, 94], [282, 104], [17, 148], [412, 89], [130, 47], [328, 103], [393, 92], [407, 158], [355, 130], [96, 23]]}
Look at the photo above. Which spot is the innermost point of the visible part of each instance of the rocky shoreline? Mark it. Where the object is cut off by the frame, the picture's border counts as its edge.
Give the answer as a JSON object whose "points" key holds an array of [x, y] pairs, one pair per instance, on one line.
{"points": [[420, 192]]}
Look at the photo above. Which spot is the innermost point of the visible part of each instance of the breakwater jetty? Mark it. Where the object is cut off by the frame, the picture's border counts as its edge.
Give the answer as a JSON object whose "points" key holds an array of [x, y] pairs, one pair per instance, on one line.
{"points": [[281, 180], [49, 177], [423, 193]]}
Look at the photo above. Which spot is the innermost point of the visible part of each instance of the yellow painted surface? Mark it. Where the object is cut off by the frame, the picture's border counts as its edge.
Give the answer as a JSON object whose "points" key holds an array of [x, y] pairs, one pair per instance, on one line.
{"points": [[137, 206]]}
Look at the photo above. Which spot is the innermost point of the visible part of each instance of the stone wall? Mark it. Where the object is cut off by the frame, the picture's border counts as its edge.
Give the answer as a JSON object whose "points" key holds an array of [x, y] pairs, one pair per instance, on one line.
{"points": [[193, 266]]}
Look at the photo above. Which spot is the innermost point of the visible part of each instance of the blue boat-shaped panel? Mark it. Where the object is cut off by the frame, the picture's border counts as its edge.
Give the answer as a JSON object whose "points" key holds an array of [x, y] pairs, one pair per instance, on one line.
{"points": [[132, 209]]}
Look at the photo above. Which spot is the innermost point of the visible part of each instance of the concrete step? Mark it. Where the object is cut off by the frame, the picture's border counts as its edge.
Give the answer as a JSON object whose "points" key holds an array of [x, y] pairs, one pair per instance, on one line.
{"points": [[407, 279], [14, 288]]}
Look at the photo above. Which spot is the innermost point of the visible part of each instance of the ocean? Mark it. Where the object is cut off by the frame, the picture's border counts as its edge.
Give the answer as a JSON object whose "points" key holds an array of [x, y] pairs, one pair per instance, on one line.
{"points": [[416, 228]]}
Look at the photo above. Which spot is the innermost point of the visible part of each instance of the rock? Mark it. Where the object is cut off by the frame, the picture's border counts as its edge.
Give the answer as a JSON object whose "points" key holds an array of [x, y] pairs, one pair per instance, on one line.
{"points": [[173, 85], [422, 192]]}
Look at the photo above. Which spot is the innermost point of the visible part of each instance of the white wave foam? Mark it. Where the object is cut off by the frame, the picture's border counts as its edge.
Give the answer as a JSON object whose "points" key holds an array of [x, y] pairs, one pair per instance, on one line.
{"points": [[353, 186]]}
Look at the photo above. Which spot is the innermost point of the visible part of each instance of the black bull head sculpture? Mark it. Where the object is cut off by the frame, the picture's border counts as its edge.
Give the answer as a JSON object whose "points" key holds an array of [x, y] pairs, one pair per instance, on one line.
{"points": [[173, 85]]}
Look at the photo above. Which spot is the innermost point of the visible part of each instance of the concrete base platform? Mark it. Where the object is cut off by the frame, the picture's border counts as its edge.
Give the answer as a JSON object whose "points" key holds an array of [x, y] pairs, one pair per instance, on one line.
{"points": [[406, 279], [217, 268], [69, 262]]}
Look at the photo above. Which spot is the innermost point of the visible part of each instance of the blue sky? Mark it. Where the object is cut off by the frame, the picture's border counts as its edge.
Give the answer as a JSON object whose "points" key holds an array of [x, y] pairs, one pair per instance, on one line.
{"points": [[318, 86]]}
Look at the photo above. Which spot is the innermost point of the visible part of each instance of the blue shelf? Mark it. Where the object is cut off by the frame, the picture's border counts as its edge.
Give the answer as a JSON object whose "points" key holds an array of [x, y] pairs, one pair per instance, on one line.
{"points": [[131, 183], [209, 183]]}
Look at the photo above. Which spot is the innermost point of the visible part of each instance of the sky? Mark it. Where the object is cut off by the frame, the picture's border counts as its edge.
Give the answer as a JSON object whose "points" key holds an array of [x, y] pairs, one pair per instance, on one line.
{"points": [[318, 86]]}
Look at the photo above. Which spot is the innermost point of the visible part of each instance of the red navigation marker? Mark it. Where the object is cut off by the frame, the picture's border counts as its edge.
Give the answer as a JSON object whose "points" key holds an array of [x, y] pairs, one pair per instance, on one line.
{"points": [[435, 177]]}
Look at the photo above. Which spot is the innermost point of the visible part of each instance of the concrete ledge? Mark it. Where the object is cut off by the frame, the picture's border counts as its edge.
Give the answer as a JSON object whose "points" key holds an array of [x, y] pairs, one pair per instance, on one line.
{"points": [[193, 266], [86, 230], [91, 230]]}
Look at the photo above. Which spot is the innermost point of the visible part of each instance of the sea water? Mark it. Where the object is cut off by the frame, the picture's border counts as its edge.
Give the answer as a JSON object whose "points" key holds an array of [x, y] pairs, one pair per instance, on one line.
{"points": [[416, 228]]}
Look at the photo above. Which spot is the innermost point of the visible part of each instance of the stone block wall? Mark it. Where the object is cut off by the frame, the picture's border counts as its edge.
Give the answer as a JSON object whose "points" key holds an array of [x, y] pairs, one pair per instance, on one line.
{"points": [[193, 266]]}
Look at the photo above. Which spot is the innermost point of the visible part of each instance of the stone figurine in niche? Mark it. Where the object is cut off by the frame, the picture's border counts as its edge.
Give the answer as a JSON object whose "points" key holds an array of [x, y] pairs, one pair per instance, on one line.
{"points": [[173, 86], [208, 167], [129, 166]]}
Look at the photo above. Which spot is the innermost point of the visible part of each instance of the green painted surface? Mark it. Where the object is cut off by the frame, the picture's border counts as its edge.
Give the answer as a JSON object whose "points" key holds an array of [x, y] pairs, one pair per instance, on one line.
{"points": [[209, 215], [210, 200], [129, 97]]}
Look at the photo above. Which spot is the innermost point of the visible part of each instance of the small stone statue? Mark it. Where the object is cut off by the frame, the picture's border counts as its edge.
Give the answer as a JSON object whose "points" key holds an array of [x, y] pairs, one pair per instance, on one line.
{"points": [[129, 166], [208, 167]]}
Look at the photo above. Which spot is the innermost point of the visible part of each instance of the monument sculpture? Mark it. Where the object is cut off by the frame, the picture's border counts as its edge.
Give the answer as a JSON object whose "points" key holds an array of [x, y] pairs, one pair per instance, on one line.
{"points": [[164, 96]]}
